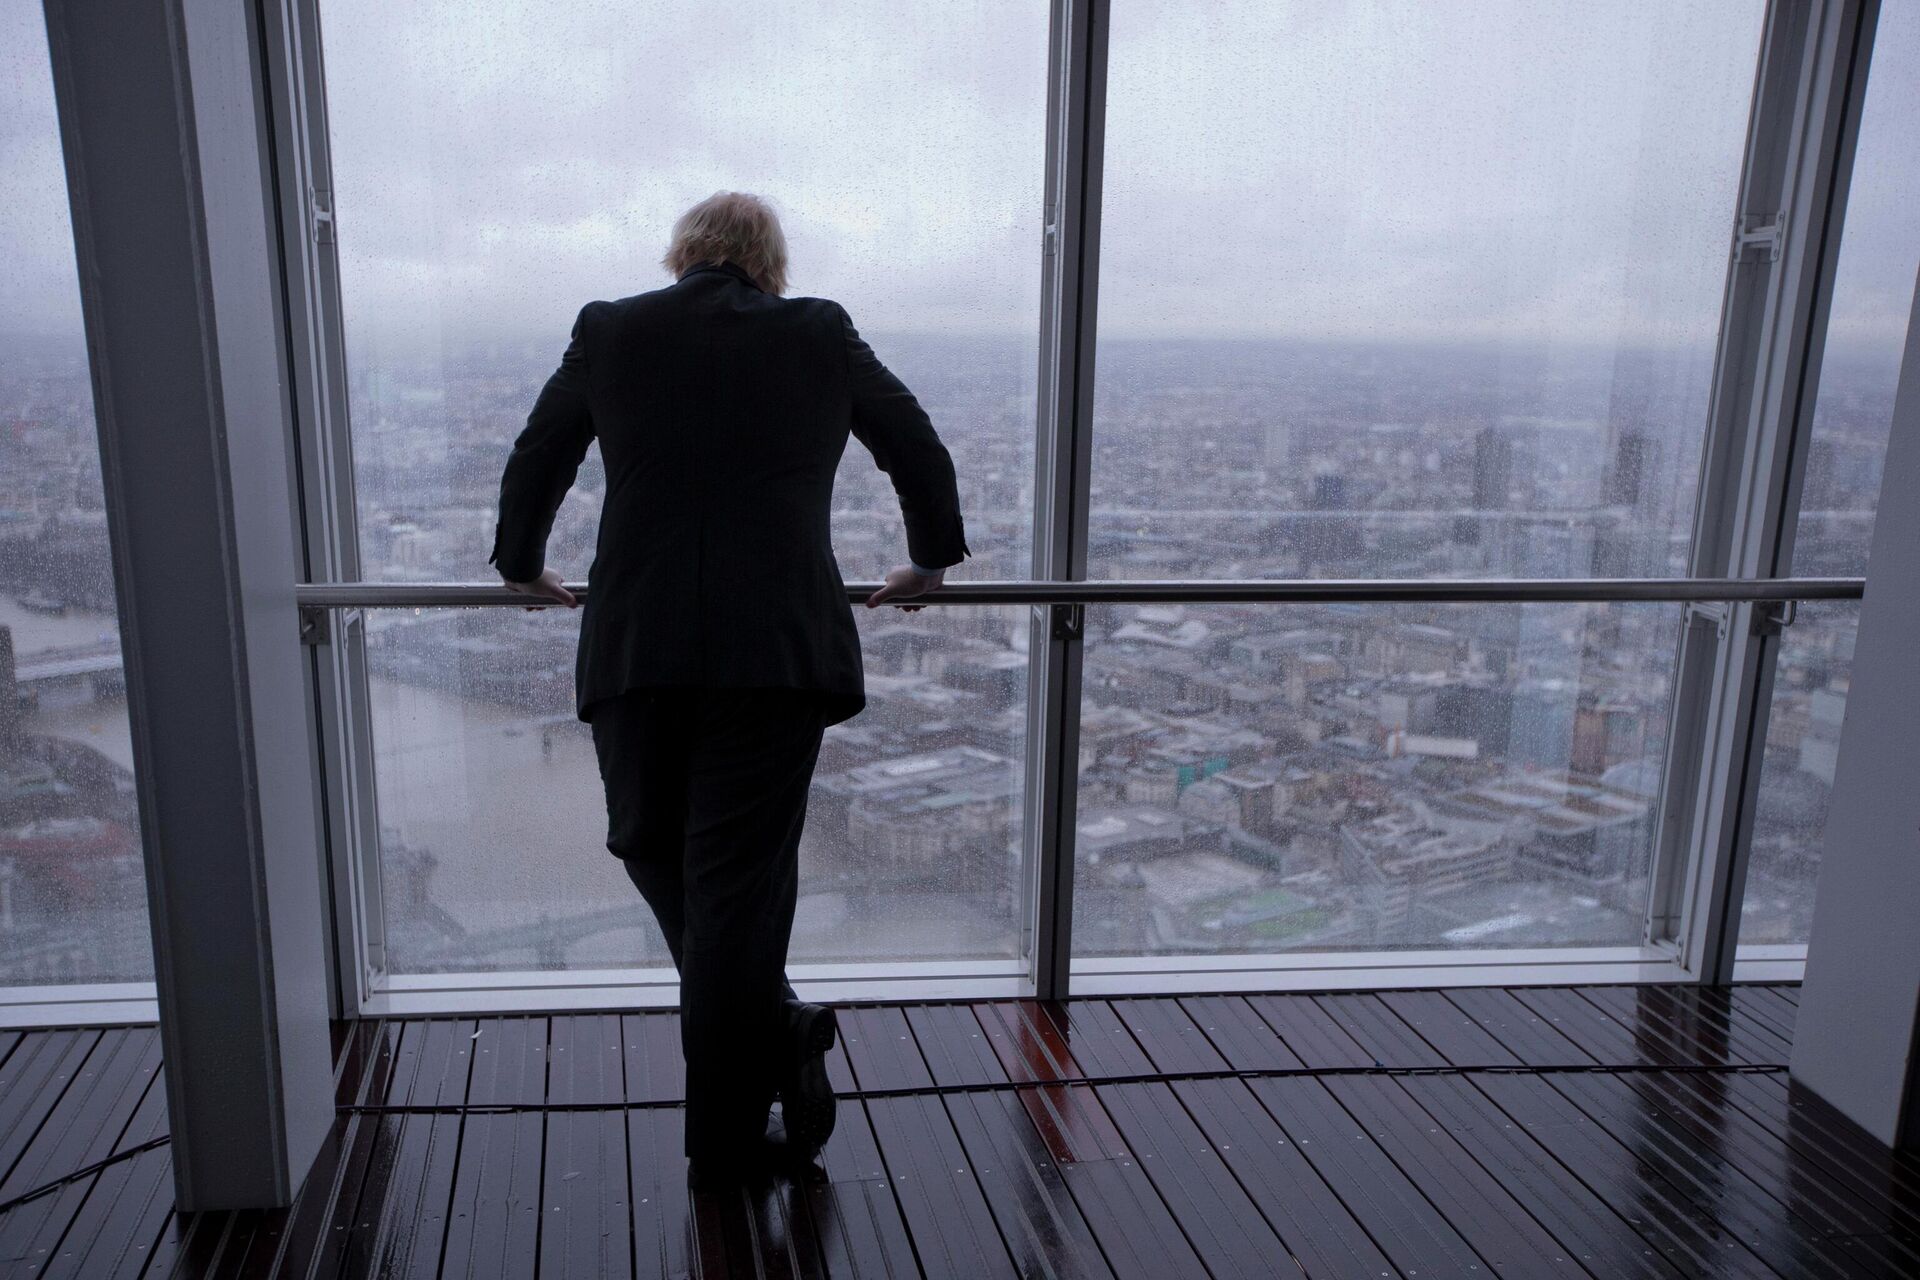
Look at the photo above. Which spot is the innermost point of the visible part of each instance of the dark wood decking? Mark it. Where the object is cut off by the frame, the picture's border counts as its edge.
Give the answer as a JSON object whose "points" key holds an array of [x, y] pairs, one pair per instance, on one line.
{"points": [[1598, 1131]]}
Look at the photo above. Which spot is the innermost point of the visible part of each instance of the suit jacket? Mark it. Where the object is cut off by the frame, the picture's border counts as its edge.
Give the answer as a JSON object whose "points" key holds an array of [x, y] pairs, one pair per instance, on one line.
{"points": [[721, 412]]}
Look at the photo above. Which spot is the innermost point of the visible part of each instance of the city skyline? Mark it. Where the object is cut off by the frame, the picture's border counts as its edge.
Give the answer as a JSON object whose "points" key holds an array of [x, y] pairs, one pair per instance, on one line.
{"points": [[1321, 778]]}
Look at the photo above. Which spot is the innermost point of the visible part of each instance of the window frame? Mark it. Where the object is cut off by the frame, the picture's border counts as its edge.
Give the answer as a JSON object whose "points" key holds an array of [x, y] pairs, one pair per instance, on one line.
{"points": [[1802, 125]]}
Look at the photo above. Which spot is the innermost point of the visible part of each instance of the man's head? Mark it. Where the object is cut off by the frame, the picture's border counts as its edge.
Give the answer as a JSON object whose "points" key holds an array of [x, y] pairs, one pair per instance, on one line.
{"points": [[731, 226]]}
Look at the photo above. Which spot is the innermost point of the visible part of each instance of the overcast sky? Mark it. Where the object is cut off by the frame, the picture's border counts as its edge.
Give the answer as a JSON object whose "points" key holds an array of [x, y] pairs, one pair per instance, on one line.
{"points": [[1537, 169]]}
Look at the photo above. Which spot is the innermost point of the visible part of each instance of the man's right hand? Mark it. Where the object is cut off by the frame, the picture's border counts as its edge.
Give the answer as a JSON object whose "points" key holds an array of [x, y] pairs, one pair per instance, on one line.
{"points": [[548, 587], [905, 582]]}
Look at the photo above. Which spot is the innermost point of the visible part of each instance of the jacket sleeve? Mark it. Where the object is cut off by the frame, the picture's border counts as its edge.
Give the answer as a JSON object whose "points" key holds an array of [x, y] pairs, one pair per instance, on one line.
{"points": [[896, 431], [541, 468]]}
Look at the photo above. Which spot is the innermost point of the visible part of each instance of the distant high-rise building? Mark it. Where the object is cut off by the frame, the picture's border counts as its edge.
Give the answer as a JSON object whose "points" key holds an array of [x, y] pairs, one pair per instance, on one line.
{"points": [[1625, 480], [1329, 491], [1492, 470], [9, 691], [1279, 444]]}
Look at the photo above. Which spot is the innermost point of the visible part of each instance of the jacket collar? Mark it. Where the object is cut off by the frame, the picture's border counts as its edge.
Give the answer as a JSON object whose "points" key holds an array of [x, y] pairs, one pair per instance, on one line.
{"points": [[725, 268]]}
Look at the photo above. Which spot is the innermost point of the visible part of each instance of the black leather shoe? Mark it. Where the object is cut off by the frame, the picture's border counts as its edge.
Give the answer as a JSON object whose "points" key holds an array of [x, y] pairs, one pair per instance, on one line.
{"points": [[773, 1154], [806, 1095]]}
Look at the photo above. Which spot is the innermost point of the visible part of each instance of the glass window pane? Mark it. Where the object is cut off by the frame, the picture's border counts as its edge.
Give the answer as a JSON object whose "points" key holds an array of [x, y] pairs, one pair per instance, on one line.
{"points": [[493, 848], [1853, 416], [72, 884], [1409, 290], [1268, 779], [492, 175]]}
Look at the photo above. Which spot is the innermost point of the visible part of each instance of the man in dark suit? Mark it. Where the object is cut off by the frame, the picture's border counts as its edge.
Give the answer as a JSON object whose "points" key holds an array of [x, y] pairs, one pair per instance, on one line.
{"points": [[717, 642]]}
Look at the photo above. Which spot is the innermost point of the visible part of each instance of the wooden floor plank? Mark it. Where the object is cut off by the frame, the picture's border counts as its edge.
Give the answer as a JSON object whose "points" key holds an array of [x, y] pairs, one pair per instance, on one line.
{"points": [[723, 1243], [369, 1080], [1701, 1108], [509, 1063], [83, 1127], [585, 1060], [1379, 1031], [1498, 1227], [656, 1071], [880, 1046], [1242, 1037], [31, 1084], [1610, 1041], [1681, 1228], [493, 1226], [113, 1234], [361, 1183], [586, 1227], [1454, 1035], [1231, 1236], [955, 1047], [1787, 1243], [1113, 1193], [1021, 1180], [1414, 1235], [1720, 1170], [953, 1230], [1171, 1040], [302, 1233], [856, 1217], [189, 1244], [782, 1232], [1603, 1242], [1776, 1044], [1885, 1182], [434, 1063], [401, 1233], [354, 1050], [248, 1248], [1318, 1231], [1766, 1009], [1029, 1044], [149, 1121], [1683, 1033], [1310, 1032], [1520, 1030], [1696, 1015], [657, 1183], [1097, 1038]]}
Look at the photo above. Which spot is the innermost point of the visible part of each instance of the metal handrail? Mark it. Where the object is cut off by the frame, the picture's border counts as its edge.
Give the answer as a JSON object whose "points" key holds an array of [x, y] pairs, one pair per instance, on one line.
{"points": [[433, 595]]}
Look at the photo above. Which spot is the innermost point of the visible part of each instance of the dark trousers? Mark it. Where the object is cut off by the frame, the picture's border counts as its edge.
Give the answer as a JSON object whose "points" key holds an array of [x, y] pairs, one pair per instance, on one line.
{"points": [[706, 798]]}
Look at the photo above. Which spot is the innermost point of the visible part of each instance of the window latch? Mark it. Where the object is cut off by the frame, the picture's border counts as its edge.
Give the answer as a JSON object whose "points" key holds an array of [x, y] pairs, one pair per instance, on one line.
{"points": [[1771, 617], [316, 628], [320, 209], [1754, 236]]}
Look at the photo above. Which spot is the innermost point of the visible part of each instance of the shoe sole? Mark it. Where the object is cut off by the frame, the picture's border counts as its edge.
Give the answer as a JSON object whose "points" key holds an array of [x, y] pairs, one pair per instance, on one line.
{"points": [[807, 1103]]}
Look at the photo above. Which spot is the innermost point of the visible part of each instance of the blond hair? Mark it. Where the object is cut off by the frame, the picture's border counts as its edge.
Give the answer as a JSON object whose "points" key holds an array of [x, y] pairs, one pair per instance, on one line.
{"points": [[734, 227]]}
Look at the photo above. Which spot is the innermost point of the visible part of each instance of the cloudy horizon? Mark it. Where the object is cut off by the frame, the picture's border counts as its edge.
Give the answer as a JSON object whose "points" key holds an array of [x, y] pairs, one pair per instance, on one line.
{"points": [[1373, 172]]}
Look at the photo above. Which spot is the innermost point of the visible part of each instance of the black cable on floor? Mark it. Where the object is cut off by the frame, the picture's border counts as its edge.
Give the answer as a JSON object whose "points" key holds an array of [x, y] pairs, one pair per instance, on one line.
{"points": [[1144, 1077], [85, 1171]]}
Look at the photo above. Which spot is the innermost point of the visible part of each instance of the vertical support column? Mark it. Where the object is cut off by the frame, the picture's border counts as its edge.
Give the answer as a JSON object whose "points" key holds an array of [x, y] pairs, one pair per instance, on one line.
{"points": [[1859, 1024], [1783, 245], [1076, 120], [164, 131], [295, 83]]}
